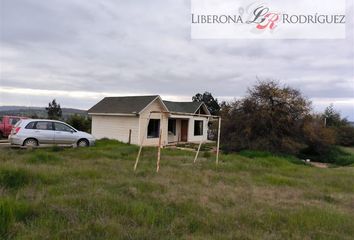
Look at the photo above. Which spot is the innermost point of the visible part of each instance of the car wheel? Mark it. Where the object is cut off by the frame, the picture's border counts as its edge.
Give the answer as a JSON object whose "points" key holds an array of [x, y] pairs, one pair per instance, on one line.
{"points": [[30, 142], [82, 143]]}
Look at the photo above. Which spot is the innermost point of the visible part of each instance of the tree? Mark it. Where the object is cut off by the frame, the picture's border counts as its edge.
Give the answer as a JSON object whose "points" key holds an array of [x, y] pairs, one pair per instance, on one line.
{"points": [[81, 123], [54, 110], [333, 118], [211, 102], [272, 118], [343, 130]]}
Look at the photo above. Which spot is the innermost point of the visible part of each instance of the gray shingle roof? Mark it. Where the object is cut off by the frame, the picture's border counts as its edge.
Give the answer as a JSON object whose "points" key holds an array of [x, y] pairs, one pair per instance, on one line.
{"points": [[135, 104], [123, 105], [182, 107]]}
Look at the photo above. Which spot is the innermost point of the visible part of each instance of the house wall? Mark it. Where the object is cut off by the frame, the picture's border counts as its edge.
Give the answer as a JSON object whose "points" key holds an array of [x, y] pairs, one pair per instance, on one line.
{"points": [[191, 137], [143, 123], [116, 127]]}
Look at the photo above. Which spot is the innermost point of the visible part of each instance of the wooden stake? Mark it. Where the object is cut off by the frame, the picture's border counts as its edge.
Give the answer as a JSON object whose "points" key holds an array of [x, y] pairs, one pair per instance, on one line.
{"points": [[159, 153], [130, 136], [159, 147], [196, 155], [141, 143], [218, 142]]}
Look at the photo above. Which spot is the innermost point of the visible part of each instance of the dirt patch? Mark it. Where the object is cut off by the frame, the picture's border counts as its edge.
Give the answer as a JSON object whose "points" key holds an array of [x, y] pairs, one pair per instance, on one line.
{"points": [[319, 165]]}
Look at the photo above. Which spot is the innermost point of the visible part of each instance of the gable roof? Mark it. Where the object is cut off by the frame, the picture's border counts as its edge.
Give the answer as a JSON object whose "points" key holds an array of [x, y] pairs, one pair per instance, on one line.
{"points": [[122, 105], [183, 107], [136, 104]]}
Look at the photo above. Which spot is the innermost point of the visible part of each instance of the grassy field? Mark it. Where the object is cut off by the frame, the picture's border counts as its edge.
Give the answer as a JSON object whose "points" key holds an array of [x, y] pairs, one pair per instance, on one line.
{"points": [[93, 193]]}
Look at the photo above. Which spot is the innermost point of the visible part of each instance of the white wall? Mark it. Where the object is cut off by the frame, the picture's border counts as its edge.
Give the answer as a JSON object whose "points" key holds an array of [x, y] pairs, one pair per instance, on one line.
{"points": [[116, 127], [143, 122], [191, 137]]}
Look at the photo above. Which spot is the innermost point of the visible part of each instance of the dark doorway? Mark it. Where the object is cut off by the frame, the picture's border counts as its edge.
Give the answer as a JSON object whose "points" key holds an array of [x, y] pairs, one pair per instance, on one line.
{"points": [[184, 130]]}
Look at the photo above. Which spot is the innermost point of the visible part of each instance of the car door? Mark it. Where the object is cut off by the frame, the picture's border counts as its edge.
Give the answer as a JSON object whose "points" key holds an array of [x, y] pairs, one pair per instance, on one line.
{"points": [[64, 134], [44, 132]]}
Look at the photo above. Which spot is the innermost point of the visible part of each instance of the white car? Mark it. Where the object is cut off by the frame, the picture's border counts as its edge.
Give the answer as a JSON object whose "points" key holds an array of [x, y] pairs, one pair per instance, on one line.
{"points": [[34, 132]]}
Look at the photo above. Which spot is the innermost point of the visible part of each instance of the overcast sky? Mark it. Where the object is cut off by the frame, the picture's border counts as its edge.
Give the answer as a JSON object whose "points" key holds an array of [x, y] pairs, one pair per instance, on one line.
{"points": [[79, 51]]}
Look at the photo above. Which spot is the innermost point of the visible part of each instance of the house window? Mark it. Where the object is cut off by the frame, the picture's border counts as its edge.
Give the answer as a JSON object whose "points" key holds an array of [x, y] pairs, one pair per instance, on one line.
{"points": [[172, 126], [153, 128], [198, 128]]}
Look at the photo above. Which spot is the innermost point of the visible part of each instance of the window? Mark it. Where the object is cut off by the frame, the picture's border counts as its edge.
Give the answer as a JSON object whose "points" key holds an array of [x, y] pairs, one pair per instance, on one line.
{"points": [[172, 126], [198, 128], [153, 128], [62, 127], [13, 121], [44, 126], [30, 125]]}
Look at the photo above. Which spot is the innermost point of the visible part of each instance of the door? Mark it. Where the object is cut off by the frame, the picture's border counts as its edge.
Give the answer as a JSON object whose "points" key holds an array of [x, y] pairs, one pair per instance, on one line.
{"points": [[43, 132], [64, 134], [184, 130]]}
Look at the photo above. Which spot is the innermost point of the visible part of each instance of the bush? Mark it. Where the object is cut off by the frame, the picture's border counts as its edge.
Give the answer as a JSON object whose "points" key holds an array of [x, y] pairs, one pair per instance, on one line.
{"points": [[81, 123], [345, 135], [335, 155]]}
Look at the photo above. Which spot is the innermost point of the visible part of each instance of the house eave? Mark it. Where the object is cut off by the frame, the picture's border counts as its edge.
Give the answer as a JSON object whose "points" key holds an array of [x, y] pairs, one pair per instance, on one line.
{"points": [[115, 114]]}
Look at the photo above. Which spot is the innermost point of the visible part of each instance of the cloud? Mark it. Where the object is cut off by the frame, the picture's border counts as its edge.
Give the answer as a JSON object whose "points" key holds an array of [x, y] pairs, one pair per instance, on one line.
{"points": [[144, 47]]}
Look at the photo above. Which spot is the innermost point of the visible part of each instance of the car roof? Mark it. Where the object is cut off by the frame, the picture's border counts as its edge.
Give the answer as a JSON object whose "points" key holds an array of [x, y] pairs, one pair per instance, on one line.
{"points": [[40, 120]]}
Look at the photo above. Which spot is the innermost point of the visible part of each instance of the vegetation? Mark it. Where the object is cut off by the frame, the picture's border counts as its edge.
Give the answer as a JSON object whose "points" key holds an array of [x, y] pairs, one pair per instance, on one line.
{"points": [[211, 102], [54, 110], [81, 123], [341, 126], [93, 193], [279, 119]]}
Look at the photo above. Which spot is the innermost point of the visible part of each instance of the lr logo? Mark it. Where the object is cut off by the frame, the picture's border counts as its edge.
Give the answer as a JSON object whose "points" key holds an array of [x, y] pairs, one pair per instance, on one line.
{"points": [[264, 19]]}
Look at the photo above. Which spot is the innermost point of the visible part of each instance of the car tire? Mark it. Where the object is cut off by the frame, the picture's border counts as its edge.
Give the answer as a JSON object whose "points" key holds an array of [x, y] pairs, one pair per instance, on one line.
{"points": [[82, 143], [30, 142]]}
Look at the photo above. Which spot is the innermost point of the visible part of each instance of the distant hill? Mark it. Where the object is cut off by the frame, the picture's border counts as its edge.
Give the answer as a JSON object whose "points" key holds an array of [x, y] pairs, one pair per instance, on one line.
{"points": [[36, 111]]}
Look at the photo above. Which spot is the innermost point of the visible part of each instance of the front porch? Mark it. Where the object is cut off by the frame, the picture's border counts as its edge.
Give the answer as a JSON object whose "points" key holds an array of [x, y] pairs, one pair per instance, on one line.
{"points": [[177, 130]]}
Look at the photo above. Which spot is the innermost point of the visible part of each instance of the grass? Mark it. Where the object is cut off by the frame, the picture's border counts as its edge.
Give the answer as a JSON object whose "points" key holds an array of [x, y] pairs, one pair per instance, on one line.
{"points": [[93, 193]]}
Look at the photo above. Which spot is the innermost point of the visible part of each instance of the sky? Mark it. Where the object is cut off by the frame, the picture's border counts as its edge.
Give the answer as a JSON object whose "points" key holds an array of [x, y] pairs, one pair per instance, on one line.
{"points": [[80, 51]]}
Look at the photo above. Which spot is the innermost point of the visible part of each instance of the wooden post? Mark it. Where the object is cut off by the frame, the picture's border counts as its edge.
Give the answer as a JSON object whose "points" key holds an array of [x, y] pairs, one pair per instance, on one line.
{"points": [[196, 155], [159, 147], [159, 153], [130, 136], [218, 142], [141, 143]]}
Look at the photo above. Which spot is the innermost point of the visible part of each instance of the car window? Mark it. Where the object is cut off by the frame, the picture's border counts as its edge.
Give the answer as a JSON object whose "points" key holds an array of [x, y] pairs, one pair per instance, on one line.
{"points": [[62, 127], [44, 126], [13, 121], [30, 125]]}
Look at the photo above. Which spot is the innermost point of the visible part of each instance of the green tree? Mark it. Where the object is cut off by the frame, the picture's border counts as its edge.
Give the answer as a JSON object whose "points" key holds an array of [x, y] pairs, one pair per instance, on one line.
{"points": [[211, 102], [81, 123], [343, 130], [332, 118], [54, 110]]}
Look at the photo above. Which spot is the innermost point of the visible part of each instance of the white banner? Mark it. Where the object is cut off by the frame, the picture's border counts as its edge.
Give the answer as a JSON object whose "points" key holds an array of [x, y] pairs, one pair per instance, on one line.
{"points": [[272, 19]]}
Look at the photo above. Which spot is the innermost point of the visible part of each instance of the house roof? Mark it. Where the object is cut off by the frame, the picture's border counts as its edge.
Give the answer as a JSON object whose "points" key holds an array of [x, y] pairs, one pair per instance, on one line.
{"points": [[122, 105], [135, 104], [183, 107]]}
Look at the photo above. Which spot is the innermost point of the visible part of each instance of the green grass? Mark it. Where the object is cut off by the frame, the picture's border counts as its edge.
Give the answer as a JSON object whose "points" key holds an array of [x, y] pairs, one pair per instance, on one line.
{"points": [[93, 193]]}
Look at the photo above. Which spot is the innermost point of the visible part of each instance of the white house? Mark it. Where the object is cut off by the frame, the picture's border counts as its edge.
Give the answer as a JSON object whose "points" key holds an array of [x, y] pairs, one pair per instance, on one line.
{"points": [[140, 119]]}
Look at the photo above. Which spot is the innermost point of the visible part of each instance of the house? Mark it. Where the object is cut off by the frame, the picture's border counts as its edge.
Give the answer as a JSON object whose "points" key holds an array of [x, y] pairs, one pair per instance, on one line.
{"points": [[140, 119]]}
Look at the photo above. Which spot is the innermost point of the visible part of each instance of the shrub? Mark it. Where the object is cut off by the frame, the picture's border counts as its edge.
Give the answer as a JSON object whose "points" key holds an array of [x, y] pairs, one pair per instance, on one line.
{"points": [[81, 123]]}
